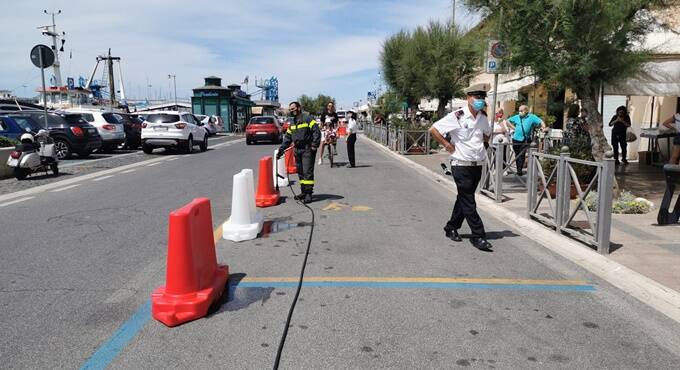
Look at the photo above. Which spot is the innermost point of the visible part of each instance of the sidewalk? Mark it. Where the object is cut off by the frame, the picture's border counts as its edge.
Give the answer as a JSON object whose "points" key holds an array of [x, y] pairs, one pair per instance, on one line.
{"points": [[637, 242]]}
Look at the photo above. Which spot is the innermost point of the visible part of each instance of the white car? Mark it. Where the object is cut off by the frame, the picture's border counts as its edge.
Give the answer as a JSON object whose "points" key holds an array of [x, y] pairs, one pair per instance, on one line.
{"points": [[109, 128], [173, 130]]}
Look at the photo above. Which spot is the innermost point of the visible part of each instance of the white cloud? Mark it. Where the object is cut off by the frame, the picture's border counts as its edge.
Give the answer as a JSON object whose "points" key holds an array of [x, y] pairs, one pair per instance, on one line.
{"points": [[298, 41]]}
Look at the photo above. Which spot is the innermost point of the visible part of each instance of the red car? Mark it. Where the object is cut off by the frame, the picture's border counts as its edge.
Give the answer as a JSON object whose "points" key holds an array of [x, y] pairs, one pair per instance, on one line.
{"points": [[264, 128]]}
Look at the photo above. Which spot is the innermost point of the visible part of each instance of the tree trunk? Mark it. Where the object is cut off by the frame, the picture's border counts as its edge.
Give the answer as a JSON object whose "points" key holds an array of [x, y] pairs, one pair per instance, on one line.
{"points": [[598, 140], [441, 107]]}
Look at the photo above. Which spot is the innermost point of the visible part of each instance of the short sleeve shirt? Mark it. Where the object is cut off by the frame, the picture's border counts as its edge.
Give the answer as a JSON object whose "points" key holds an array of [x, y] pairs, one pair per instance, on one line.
{"points": [[524, 125], [466, 132]]}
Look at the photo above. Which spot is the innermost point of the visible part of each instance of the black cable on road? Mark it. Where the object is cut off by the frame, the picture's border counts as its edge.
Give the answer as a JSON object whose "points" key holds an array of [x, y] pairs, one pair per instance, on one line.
{"points": [[282, 342]]}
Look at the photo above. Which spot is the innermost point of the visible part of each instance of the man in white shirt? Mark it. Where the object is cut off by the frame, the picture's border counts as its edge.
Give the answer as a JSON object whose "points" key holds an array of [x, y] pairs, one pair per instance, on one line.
{"points": [[469, 130]]}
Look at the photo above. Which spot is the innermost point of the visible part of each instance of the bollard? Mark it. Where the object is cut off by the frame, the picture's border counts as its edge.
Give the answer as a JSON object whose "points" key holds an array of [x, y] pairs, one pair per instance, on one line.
{"points": [[267, 195], [245, 221], [280, 169]]}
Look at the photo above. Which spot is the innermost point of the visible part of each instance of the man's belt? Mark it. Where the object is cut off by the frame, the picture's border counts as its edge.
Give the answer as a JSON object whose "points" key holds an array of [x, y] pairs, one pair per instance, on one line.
{"points": [[455, 162]]}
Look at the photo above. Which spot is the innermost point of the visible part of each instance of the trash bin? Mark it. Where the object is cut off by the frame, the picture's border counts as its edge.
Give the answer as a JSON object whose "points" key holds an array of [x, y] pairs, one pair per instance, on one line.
{"points": [[672, 175]]}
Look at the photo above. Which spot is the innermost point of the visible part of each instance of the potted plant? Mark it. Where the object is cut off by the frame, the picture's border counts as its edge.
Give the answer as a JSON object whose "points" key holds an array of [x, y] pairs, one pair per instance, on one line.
{"points": [[580, 149]]}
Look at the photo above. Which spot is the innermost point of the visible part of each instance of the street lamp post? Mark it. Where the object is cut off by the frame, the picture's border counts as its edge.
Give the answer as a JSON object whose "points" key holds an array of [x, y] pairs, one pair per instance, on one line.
{"points": [[174, 83]]}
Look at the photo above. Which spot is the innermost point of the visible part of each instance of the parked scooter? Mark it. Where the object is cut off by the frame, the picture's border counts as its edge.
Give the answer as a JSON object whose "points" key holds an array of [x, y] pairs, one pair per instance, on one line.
{"points": [[31, 156]]}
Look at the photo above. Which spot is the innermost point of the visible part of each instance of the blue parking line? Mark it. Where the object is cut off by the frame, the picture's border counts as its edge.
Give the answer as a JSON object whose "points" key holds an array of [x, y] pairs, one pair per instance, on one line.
{"points": [[425, 285], [112, 347], [129, 330]]}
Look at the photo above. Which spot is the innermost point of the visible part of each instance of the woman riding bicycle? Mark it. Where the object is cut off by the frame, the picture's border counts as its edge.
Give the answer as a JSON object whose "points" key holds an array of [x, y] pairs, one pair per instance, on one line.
{"points": [[328, 138]]}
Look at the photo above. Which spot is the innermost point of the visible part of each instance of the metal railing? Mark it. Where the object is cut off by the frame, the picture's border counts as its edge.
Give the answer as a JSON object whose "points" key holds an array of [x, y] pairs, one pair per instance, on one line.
{"points": [[402, 141], [559, 211]]}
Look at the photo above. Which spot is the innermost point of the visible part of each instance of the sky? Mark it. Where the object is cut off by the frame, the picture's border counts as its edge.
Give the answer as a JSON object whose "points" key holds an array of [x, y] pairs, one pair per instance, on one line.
{"points": [[312, 47]]}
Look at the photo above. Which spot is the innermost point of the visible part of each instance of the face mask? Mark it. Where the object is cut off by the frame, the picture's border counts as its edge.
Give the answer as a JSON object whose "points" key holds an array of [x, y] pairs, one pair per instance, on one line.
{"points": [[523, 114], [478, 104]]}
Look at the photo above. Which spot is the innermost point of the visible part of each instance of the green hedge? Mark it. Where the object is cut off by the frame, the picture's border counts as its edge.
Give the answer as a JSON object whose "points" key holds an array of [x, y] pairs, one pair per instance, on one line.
{"points": [[7, 142]]}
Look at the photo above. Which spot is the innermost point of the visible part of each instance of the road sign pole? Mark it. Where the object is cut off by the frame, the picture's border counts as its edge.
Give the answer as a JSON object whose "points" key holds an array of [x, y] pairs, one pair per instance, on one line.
{"points": [[493, 102], [42, 74]]}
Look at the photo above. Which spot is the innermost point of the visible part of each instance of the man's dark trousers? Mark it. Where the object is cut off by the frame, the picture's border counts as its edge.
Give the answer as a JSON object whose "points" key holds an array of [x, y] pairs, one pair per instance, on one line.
{"points": [[466, 178], [351, 139], [304, 161], [520, 148]]}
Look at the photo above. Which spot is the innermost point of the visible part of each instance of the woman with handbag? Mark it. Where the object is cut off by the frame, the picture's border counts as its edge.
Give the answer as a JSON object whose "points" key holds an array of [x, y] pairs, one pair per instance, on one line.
{"points": [[620, 123]]}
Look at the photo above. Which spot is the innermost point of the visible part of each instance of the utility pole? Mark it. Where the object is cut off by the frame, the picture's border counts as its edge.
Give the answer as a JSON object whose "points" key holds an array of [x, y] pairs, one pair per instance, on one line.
{"points": [[453, 13], [55, 47], [174, 82]]}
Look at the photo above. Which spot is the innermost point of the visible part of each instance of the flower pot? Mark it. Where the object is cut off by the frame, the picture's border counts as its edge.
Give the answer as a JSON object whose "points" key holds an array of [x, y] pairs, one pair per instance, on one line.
{"points": [[552, 189]]}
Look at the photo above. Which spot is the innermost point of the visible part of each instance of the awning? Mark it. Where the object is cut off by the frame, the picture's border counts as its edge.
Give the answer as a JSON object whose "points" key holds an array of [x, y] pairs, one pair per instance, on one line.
{"points": [[657, 78], [509, 90]]}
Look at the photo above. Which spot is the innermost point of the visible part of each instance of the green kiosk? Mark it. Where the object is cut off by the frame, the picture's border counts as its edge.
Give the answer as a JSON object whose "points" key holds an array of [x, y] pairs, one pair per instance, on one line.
{"points": [[231, 103]]}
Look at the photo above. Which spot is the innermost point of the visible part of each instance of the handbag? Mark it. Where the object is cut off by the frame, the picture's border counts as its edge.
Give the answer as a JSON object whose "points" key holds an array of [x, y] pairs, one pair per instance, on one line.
{"points": [[630, 136]]}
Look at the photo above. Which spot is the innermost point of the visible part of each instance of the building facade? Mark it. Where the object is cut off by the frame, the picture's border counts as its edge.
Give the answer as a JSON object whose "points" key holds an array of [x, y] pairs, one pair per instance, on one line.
{"points": [[231, 103]]}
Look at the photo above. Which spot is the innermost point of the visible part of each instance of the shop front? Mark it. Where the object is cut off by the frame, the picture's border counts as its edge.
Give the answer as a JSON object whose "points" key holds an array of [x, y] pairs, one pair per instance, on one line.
{"points": [[231, 103]]}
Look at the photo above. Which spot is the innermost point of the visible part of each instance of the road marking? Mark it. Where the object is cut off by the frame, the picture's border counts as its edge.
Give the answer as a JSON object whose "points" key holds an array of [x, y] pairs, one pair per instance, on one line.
{"points": [[153, 164], [102, 178], [129, 171], [494, 281], [65, 188], [112, 347], [361, 209], [88, 161], [15, 201], [58, 184], [173, 159], [334, 206], [416, 285]]}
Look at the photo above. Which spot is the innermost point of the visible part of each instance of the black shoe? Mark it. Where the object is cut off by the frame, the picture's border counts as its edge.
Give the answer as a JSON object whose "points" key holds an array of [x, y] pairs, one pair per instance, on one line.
{"points": [[481, 244], [453, 235], [617, 163], [625, 162], [308, 198], [350, 166], [299, 197]]}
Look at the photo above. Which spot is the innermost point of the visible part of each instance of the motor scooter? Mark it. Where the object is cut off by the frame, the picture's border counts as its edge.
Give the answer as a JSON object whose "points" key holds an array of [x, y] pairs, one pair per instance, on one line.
{"points": [[30, 156]]}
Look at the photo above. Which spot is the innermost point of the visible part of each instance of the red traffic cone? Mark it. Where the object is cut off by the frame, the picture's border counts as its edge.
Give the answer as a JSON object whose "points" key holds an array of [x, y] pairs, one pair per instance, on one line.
{"points": [[193, 280], [290, 161], [266, 195]]}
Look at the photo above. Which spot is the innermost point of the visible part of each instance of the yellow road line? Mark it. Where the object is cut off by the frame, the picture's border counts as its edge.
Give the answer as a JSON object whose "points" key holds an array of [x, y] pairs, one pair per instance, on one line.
{"points": [[419, 280]]}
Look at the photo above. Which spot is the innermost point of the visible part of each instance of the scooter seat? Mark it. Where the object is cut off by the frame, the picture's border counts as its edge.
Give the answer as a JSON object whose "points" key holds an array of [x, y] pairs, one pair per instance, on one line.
{"points": [[28, 147]]}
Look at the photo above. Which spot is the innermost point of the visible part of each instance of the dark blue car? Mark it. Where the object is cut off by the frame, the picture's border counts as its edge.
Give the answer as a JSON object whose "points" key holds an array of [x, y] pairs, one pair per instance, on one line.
{"points": [[14, 127]]}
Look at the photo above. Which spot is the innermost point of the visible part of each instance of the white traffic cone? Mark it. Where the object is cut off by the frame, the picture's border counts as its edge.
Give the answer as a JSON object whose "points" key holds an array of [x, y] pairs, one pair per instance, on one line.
{"points": [[280, 168], [245, 222]]}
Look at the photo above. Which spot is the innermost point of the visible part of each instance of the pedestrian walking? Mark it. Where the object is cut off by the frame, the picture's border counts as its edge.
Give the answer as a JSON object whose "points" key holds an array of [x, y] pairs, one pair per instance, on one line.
{"points": [[305, 136], [523, 123], [470, 131], [351, 138], [620, 123]]}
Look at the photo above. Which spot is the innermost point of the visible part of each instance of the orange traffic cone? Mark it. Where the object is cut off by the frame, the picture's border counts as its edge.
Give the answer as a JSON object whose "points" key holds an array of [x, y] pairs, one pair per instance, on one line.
{"points": [[290, 161], [266, 195], [193, 279]]}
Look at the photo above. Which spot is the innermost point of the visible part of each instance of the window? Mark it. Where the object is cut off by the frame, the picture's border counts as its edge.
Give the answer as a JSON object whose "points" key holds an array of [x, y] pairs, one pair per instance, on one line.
{"points": [[162, 118], [27, 123], [109, 118], [88, 117], [261, 120], [3, 125]]}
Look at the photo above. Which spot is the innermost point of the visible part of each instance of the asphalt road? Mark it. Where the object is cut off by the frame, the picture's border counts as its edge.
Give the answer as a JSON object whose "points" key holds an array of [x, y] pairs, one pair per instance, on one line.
{"points": [[79, 264]]}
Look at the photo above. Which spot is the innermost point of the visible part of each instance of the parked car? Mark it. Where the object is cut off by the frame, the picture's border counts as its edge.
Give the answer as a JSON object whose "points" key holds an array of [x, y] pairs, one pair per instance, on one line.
{"points": [[13, 127], [173, 130], [111, 131], [133, 129], [208, 123], [263, 128], [70, 132]]}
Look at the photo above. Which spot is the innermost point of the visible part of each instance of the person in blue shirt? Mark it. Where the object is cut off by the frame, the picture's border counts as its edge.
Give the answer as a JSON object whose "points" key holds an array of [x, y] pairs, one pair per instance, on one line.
{"points": [[524, 124]]}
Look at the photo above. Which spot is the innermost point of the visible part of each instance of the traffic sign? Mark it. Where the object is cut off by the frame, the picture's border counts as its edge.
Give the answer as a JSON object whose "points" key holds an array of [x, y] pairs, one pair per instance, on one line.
{"points": [[494, 57], [47, 56]]}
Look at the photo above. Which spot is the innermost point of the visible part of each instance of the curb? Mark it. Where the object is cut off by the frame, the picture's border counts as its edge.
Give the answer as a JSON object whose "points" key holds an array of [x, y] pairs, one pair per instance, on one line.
{"points": [[646, 290]]}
